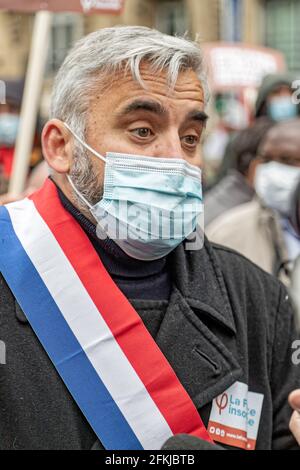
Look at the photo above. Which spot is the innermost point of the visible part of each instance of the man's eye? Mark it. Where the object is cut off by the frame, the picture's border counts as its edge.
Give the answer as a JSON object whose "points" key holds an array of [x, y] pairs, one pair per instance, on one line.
{"points": [[191, 140], [142, 132]]}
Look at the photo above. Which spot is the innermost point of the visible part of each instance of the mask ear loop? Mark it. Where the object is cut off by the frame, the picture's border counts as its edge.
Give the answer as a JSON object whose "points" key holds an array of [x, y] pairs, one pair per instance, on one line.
{"points": [[79, 193], [85, 144]]}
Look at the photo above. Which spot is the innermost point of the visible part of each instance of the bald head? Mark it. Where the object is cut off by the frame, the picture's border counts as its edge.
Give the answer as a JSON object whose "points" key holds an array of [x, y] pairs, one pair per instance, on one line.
{"points": [[282, 143]]}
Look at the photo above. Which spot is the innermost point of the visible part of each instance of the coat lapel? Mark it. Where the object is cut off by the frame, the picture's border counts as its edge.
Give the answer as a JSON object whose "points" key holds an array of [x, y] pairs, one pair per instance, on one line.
{"points": [[197, 333]]}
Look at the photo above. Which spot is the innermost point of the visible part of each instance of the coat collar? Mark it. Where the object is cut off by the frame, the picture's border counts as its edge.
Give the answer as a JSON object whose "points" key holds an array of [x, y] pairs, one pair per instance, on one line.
{"points": [[199, 280], [198, 276]]}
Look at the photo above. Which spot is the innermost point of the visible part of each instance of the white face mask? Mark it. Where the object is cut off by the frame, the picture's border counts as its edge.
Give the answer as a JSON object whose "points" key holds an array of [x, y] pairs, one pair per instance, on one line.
{"points": [[275, 184]]}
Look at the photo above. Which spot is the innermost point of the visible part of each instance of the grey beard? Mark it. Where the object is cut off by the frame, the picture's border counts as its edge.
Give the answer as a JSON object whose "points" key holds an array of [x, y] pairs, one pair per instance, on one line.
{"points": [[85, 179]]}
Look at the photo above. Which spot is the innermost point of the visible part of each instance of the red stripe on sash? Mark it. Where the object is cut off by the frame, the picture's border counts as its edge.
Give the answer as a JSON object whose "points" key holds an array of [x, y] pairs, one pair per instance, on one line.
{"points": [[127, 327]]}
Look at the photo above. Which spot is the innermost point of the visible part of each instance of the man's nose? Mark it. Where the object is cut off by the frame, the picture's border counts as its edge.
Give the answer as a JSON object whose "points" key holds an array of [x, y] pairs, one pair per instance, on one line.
{"points": [[169, 146]]}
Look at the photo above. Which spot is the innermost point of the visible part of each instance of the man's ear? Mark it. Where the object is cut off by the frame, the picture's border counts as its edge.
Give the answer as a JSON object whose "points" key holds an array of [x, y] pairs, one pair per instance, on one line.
{"points": [[57, 144]]}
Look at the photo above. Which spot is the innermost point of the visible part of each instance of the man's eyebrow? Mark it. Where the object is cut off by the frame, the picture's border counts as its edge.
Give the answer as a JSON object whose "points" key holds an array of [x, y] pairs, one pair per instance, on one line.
{"points": [[157, 108], [197, 116], [144, 105]]}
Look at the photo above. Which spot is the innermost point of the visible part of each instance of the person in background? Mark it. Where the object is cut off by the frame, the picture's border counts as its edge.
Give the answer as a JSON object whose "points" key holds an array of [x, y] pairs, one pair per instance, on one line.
{"points": [[274, 99], [236, 187], [35, 181], [294, 398], [274, 102], [295, 273], [295, 210], [9, 126], [232, 117], [262, 229]]}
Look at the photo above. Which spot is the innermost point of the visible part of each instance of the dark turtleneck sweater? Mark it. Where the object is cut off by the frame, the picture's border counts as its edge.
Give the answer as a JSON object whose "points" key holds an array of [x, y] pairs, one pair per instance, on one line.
{"points": [[138, 280]]}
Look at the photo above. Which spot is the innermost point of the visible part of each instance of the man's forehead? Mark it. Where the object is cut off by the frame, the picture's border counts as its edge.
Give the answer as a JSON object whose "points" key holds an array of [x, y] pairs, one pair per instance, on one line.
{"points": [[124, 87]]}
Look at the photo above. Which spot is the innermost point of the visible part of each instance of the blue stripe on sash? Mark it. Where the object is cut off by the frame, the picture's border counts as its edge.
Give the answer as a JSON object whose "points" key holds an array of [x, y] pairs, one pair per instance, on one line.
{"points": [[61, 344]]}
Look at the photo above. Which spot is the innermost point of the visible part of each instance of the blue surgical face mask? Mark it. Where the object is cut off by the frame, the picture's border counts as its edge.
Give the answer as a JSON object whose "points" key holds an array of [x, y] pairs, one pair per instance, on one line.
{"points": [[149, 205], [282, 108], [9, 125]]}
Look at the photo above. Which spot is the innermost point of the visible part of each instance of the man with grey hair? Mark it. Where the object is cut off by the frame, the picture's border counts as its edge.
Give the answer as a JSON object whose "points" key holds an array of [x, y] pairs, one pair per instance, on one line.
{"points": [[122, 329]]}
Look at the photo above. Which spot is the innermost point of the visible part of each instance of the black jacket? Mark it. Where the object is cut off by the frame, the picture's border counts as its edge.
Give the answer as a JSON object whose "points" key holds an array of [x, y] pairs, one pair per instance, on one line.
{"points": [[226, 321]]}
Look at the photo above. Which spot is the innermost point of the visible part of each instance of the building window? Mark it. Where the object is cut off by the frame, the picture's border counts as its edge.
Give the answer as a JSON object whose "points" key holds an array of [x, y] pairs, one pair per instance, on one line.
{"points": [[282, 29], [171, 17], [66, 29]]}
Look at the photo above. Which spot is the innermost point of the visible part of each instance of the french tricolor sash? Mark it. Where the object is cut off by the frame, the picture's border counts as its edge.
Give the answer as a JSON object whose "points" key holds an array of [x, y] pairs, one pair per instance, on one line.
{"points": [[111, 365]]}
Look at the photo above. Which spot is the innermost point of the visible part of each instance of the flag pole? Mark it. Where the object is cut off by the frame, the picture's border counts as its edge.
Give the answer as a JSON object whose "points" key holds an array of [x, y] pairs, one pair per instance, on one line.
{"points": [[31, 98]]}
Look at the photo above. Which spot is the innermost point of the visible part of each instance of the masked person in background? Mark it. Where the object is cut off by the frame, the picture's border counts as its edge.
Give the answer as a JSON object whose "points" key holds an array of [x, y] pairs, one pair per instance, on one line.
{"points": [[35, 181], [262, 229], [274, 103], [236, 187], [232, 117], [9, 126], [123, 330], [274, 98]]}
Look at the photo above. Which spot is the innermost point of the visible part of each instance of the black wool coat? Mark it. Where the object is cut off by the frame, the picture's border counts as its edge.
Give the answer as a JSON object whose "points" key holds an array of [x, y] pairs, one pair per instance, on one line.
{"points": [[226, 321]]}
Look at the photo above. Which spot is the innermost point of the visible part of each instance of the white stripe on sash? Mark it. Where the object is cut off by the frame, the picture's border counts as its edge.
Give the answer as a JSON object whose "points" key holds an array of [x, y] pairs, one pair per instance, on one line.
{"points": [[88, 326]]}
